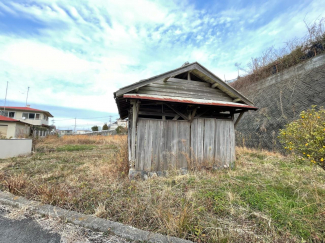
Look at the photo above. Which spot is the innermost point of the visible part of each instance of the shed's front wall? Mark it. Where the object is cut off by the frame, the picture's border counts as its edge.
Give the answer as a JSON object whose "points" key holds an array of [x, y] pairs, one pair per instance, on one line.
{"points": [[169, 144]]}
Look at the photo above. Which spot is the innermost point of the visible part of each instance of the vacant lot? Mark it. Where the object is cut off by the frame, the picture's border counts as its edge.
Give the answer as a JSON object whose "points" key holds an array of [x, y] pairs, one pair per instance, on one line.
{"points": [[267, 197]]}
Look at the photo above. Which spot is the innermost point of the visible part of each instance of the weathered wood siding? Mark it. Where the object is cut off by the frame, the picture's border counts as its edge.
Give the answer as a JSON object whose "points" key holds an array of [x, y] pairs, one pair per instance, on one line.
{"points": [[163, 145], [184, 88]]}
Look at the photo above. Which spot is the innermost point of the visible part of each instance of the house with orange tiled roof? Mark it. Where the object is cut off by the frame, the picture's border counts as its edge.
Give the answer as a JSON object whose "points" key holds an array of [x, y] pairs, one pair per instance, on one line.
{"points": [[38, 120], [27, 114]]}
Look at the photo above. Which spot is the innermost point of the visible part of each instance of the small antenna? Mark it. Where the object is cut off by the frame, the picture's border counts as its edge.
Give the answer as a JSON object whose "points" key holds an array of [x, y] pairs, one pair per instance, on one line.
{"points": [[4, 107], [27, 96]]}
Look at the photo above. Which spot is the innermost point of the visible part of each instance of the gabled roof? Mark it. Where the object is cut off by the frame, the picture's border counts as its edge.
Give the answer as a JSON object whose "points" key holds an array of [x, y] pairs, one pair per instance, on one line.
{"points": [[238, 100], [197, 69], [8, 119], [25, 109]]}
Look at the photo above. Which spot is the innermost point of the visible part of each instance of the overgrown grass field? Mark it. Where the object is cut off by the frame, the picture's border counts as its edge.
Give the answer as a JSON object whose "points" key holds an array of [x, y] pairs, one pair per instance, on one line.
{"points": [[266, 198]]}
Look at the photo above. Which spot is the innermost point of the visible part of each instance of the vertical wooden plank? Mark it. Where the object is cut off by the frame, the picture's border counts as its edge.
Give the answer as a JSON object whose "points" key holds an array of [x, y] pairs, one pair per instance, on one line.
{"points": [[218, 134], [197, 140], [193, 140], [183, 144], [172, 138], [209, 140], [232, 144], [148, 145], [156, 138], [141, 128], [135, 110], [200, 140], [225, 142], [163, 160]]}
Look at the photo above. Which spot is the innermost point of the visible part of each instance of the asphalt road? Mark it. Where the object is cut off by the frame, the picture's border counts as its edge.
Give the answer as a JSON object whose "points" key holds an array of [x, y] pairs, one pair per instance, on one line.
{"points": [[25, 231], [21, 226]]}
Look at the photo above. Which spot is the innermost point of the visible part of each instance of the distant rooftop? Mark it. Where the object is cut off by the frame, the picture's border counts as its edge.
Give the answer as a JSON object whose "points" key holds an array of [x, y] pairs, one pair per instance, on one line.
{"points": [[25, 108]]}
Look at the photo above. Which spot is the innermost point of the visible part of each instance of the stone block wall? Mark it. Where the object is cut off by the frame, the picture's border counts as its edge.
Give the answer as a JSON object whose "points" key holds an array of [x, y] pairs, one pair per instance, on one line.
{"points": [[280, 99]]}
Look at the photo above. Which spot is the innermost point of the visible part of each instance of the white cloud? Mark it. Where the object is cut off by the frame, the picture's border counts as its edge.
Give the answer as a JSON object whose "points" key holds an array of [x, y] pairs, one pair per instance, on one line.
{"points": [[82, 51]]}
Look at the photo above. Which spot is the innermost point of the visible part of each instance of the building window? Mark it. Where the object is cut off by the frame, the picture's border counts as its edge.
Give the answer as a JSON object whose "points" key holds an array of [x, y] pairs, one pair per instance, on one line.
{"points": [[25, 115], [37, 116], [10, 114], [31, 116]]}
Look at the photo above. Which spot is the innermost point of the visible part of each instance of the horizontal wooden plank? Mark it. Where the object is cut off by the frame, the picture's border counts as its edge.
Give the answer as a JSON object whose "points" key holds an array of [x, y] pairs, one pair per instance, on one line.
{"points": [[188, 82], [186, 95], [141, 83], [213, 92], [184, 87], [184, 90]]}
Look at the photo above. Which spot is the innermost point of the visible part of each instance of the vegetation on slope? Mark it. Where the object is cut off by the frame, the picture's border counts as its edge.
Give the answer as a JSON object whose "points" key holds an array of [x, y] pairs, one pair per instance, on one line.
{"points": [[267, 197], [273, 60]]}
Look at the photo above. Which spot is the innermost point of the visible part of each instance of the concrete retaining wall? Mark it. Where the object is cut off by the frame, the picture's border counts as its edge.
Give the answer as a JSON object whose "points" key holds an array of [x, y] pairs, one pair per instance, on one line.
{"points": [[280, 99], [15, 147]]}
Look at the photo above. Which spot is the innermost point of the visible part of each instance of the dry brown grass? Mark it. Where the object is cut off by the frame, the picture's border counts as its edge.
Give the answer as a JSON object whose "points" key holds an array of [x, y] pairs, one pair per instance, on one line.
{"points": [[267, 197]]}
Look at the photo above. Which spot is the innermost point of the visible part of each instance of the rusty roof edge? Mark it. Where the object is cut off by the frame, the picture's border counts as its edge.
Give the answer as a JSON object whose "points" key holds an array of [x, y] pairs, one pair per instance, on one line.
{"points": [[188, 100]]}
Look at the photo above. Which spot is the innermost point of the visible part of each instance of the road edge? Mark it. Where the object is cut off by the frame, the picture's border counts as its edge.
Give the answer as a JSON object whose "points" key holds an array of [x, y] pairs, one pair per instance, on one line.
{"points": [[88, 221]]}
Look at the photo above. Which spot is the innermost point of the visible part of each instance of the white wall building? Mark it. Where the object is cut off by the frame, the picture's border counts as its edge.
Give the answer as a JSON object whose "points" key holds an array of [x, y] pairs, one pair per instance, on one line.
{"points": [[26, 114]]}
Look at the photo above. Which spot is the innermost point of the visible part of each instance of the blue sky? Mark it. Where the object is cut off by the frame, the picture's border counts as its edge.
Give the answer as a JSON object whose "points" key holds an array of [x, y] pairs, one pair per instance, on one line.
{"points": [[74, 54]]}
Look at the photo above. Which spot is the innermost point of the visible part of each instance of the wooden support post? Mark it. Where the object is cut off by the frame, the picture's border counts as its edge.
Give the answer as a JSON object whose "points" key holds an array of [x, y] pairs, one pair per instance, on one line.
{"points": [[238, 119], [135, 111]]}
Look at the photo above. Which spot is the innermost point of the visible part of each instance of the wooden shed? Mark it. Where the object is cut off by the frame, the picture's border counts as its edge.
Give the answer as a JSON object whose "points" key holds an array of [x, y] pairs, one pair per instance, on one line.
{"points": [[186, 115]]}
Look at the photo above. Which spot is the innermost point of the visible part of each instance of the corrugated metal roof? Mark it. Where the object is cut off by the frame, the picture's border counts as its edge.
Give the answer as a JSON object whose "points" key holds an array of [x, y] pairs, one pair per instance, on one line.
{"points": [[189, 101]]}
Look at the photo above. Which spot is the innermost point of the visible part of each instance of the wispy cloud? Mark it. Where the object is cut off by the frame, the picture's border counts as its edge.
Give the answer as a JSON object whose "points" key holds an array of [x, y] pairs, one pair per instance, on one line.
{"points": [[77, 53]]}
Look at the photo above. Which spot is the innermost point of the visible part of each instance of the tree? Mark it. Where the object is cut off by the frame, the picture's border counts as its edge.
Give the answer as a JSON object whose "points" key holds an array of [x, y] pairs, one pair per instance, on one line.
{"points": [[94, 128], [105, 127], [121, 130]]}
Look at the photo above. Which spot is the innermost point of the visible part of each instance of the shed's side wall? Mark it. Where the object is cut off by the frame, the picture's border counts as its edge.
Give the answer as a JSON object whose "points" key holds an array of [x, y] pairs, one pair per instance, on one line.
{"points": [[163, 145]]}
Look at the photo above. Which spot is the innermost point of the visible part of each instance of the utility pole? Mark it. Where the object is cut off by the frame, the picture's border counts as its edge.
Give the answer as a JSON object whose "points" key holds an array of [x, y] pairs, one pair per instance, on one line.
{"points": [[110, 120], [27, 96], [4, 107]]}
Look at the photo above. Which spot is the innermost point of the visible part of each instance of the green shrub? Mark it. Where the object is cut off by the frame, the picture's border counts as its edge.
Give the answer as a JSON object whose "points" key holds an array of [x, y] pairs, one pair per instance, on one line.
{"points": [[306, 136]]}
